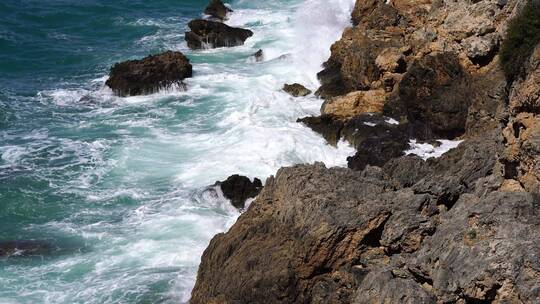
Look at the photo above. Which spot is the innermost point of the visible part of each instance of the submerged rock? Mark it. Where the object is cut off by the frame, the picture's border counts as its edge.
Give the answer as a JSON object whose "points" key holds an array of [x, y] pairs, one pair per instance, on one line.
{"points": [[259, 56], [240, 188], [25, 248], [296, 90], [148, 75], [211, 34], [217, 9]]}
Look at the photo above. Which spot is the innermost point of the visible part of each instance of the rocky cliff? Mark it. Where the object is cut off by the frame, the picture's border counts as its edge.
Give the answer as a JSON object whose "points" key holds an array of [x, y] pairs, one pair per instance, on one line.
{"points": [[462, 228]]}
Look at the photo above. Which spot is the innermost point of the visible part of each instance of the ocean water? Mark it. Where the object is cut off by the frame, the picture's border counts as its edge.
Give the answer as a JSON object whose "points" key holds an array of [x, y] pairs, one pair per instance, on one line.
{"points": [[118, 186]]}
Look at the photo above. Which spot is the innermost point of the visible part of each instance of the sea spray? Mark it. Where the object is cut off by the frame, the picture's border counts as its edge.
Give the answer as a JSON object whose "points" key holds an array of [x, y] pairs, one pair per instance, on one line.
{"points": [[123, 178]]}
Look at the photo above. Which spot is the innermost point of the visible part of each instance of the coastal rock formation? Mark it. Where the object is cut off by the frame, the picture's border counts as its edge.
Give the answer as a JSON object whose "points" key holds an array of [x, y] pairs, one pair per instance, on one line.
{"points": [[148, 75], [296, 90], [217, 9], [239, 188], [355, 103], [461, 228], [212, 34]]}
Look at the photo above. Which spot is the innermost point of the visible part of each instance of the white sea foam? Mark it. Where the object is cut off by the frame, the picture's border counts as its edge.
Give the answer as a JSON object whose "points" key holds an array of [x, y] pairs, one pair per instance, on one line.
{"points": [[147, 214], [425, 150]]}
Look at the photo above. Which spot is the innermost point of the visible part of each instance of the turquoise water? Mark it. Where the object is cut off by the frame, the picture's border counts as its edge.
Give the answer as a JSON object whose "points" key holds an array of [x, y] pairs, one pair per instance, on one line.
{"points": [[118, 187]]}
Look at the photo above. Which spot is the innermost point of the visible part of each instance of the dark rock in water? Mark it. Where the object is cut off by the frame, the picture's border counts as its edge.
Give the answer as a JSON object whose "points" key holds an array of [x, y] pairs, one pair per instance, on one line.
{"points": [[239, 188], [259, 56], [148, 75], [211, 34], [296, 90], [217, 9], [376, 141], [25, 248], [326, 125]]}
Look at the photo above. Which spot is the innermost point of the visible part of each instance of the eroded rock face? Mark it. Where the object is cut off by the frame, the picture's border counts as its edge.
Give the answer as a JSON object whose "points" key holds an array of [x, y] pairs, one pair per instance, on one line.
{"points": [[326, 125], [217, 9], [355, 103], [148, 75], [240, 188], [296, 90], [212, 34], [317, 235]]}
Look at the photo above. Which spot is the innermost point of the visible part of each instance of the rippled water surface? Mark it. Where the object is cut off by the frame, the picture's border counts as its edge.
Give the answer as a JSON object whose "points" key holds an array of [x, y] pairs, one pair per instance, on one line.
{"points": [[116, 186]]}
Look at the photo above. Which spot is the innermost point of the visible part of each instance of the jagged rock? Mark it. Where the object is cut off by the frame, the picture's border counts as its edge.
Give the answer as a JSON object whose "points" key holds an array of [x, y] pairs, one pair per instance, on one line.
{"points": [[217, 9], [521, 157], [481, 50], [239, 188], [434, 95], [148, 75], [211, 34], [317, 235], [326, 125], [391, 60], [525, 95], [376, 141], [296, 90], [352, 66], [259, 56], [355, 103]]}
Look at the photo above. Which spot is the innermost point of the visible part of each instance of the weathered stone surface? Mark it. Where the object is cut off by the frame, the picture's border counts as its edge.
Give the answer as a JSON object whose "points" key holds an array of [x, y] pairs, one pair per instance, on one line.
{"points": [[326, 125], [296, 90], [211, 34], [240, 188], [355, 103], [525, 95], [217, 9], [317, 235], [148, 75], [435, 95], [481, 49]]}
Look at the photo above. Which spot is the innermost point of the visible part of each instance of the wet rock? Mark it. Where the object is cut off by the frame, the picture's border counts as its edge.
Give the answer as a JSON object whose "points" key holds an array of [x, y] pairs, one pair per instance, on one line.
{"points": [[376, 141], [259, 56], [296, 90], [148, 75], [21, 248], [211, 34], [326, 125], [217, 9], [240, 188]]}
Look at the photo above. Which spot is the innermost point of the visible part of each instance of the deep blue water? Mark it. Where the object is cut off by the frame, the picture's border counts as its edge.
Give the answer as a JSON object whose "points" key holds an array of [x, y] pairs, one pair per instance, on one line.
{"points": [[118, 187]]}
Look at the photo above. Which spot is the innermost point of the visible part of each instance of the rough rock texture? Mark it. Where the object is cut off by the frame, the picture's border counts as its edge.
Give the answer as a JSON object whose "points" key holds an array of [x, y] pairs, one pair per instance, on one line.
{"points": [[296, 90], [411, 232], [217, 9], [355, 103], [148, 75], [462, 228], [239, 188], [212, 34]]}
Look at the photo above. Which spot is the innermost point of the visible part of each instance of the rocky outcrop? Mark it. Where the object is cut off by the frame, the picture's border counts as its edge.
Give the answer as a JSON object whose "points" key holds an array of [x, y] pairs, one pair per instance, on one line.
{"points": [[410, 232], [150, 74], [240, 188], [296, 90], [217, 9], [212, 34], [259, 56], [462, 228], [355, 103]]}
